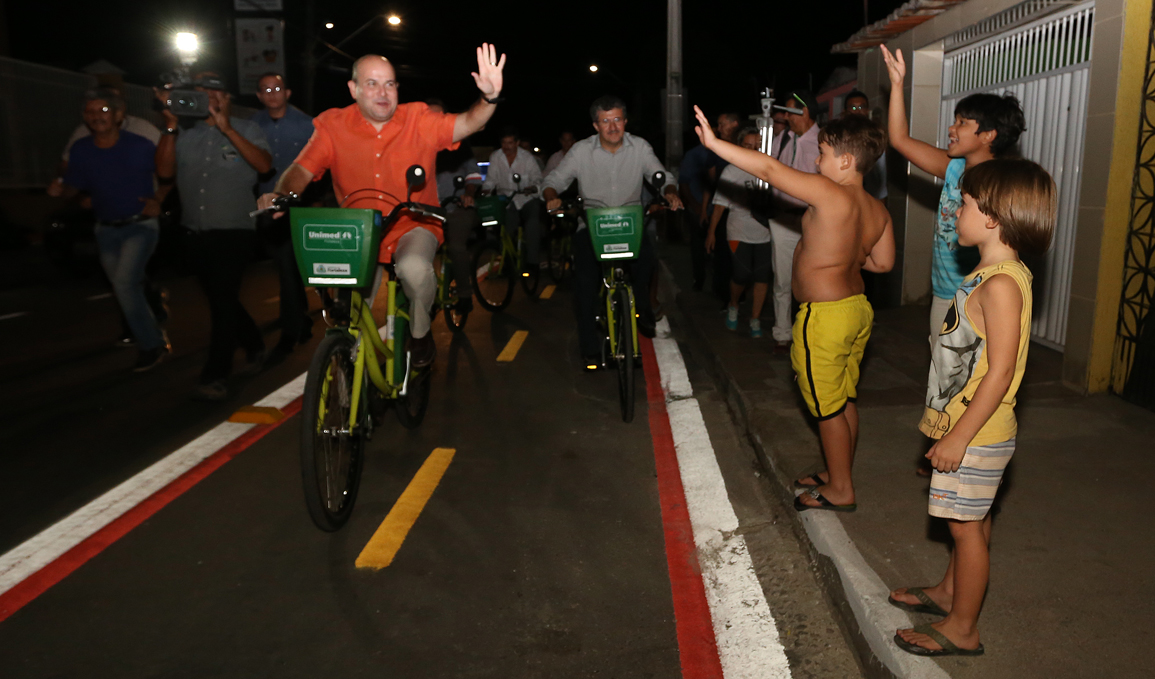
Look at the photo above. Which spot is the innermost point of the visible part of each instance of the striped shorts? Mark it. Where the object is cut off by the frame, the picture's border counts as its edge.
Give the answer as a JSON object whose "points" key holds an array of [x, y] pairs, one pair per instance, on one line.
{"points": [[967, 494]]}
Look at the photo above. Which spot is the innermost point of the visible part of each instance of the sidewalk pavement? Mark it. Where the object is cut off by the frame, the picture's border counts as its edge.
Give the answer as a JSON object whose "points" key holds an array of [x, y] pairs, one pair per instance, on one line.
{"points": [[1072, 551]]}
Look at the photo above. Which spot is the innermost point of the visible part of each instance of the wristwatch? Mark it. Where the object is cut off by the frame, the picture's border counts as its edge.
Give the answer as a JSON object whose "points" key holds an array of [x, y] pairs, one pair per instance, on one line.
{"points": [[495, 100], [170, 130]]}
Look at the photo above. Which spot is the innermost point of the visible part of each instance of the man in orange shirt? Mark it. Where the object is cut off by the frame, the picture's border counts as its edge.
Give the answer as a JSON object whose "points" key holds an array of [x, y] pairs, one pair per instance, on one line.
{"points": [[369, 145]]}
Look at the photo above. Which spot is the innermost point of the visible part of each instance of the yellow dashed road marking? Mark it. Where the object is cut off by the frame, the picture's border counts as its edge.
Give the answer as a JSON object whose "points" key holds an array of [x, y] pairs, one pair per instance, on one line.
{"points": [[383, 546], [510, 351], [547, 292]]}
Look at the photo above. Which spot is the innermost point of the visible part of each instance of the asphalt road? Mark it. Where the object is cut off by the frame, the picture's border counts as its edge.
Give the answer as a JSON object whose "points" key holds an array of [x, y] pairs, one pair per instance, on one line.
{"points": [[539, 554]]}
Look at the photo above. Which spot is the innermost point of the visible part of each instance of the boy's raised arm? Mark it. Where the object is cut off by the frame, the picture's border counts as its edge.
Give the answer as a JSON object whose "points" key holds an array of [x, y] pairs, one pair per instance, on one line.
{"points": [[808, 187], [926, 157]]}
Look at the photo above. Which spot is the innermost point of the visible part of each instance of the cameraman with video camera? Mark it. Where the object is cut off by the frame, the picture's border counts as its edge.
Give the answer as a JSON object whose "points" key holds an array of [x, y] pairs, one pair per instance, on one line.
{"points": [[216, 161]]}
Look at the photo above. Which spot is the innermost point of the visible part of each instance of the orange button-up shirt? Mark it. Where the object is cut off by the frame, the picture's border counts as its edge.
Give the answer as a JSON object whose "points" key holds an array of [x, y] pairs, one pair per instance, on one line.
{"points": [[360, 157]]}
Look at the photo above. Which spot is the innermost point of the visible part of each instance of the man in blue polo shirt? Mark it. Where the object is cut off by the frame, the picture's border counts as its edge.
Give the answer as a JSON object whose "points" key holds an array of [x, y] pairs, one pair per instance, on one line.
{"points": [[287, 129], [116, 168]]}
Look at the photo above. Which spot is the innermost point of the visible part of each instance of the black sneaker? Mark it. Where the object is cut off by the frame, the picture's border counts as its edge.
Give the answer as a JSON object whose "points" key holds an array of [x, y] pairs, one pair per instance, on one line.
{"points": [[646, 328], [255, 365], [210, 391], [147, 360], [422, 350]]}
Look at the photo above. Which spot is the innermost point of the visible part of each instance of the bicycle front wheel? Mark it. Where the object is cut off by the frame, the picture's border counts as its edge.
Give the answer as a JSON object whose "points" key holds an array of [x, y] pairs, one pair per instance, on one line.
{"points": [[331, 453], [493, 276], [560, 258], [624, 352]]}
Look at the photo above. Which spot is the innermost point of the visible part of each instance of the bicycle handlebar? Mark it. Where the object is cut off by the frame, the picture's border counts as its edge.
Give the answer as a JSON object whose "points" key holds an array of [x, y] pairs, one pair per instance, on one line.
{"points": [[280, 203]]}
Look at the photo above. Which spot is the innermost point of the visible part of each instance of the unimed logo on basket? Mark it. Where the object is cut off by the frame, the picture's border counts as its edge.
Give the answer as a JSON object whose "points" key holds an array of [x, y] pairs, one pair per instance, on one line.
{"points": [[616, 225], [331, 237]]}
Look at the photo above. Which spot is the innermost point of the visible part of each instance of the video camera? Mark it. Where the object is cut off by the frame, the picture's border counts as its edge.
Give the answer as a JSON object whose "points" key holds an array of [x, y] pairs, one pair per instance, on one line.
{"points": [[183, 100]]}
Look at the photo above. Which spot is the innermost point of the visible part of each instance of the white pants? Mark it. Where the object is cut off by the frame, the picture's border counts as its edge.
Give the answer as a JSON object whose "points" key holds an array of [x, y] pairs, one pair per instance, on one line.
{"points": [[785, 232], [413, 262], [938, 309]]}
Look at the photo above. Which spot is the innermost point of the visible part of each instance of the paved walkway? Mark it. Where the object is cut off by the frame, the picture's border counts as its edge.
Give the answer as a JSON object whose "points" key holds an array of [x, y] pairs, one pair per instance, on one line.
{"points": [[1071, 591]]}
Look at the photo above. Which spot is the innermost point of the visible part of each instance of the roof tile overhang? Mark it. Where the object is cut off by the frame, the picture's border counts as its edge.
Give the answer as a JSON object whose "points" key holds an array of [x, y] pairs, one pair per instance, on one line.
{"points": [[900, 21]]}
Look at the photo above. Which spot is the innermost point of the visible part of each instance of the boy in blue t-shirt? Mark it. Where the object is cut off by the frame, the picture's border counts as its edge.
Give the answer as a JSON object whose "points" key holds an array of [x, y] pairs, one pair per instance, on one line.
{"points": [[117, 169], [985, 126]]}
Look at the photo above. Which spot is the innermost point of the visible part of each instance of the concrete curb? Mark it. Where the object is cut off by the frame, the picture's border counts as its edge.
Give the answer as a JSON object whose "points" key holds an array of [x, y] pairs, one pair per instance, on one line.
{"points": [[856, 590]]}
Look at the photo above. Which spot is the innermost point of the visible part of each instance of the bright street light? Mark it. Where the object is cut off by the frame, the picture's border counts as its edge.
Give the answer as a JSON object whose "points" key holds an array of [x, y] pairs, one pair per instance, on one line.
{"points": [[593, 68], [536, 150], [394, 20], [329, 25]]}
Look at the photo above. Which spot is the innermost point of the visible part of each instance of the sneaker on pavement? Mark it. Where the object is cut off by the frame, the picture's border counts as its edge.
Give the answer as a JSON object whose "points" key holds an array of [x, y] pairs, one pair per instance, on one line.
{"points": [[151, 358], [422, 350], [732, 318], [211, 391], [782, 347], [755, 328]]}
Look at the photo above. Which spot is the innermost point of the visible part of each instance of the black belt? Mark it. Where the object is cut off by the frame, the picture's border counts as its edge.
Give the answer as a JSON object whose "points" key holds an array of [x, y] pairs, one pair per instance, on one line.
{"points": [[123, 222]]}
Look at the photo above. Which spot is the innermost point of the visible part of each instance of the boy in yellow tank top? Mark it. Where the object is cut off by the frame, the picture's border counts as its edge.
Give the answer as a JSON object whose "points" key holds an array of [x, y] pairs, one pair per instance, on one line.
{"points": [[977, 365]]}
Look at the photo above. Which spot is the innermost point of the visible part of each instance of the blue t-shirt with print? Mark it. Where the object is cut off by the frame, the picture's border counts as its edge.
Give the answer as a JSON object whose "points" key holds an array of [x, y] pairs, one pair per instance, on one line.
{"points": [[950, 262]]}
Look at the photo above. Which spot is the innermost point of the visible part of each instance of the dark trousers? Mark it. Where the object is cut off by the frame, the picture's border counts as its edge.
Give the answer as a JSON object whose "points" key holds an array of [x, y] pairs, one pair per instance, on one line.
{"points": [[219, 258], [723, 267], [588, 282], [459, 225], [697, 237], [295, 320]]}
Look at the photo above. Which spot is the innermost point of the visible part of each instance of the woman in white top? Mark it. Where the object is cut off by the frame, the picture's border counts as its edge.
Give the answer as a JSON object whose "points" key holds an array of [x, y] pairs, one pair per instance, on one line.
{"points": [[748, 233]]}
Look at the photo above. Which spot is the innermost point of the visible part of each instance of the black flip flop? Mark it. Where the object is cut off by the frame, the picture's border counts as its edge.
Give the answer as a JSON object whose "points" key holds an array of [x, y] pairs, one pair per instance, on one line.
{"points": [[948, 647], [927, 606], [813, 477], [822, 502]]}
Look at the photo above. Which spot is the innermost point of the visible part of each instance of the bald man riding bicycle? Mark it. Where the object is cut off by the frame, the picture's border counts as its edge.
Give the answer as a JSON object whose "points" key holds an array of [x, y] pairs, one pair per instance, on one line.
{"points": [[369, 145]]}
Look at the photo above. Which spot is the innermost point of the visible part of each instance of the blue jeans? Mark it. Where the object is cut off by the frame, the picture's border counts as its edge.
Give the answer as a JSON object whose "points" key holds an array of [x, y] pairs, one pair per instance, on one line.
{"points": [[124, 253]]}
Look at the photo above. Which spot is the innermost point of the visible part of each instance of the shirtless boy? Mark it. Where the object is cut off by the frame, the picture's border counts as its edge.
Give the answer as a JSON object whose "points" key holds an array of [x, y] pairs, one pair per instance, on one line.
{"points": [[844, 231]]}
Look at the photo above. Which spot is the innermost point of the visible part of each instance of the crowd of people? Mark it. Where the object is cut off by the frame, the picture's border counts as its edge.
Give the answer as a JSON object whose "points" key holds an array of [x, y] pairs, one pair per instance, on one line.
{"points": [[798, 225]]}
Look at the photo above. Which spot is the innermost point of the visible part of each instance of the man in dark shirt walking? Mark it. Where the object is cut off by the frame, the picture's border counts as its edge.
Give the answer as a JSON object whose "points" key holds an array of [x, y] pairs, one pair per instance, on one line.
{"points": [[116, 168], [287, 129]]}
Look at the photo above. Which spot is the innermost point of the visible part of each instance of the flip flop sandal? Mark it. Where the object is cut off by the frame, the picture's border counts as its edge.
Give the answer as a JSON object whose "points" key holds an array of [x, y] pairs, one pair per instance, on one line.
{"points": [[823, 503], [927, 606], [948, 647], [813, 477]]}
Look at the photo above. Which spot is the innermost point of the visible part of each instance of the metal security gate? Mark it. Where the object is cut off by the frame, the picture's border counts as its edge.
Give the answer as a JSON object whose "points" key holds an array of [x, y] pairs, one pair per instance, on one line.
{"points": [[1046, 65]]}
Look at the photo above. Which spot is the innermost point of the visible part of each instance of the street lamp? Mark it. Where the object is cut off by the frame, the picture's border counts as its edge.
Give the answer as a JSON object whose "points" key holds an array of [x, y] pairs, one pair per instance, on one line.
{"points": [[186, 47], [394, 20], [593, 68], [329, 25]]}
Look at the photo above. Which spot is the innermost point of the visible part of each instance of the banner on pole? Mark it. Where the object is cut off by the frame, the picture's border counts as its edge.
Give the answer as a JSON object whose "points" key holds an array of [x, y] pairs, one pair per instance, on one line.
{"points": [[260, 49]]}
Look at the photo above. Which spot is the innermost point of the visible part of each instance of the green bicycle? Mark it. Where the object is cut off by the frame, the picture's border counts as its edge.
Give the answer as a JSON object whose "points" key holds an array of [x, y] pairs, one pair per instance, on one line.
{"points": [[499, 261], [616, 234], [337, 249]]}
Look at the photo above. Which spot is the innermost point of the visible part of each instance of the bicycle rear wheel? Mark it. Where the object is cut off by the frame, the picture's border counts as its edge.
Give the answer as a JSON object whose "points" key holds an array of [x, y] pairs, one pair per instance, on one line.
{"points": [[624, 354], [331, 454], [412, 406], [492, 273]]}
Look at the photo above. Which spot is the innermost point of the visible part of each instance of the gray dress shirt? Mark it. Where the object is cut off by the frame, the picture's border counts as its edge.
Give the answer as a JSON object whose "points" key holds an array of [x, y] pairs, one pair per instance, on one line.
{"points": [[607, 179], [215, 182]]}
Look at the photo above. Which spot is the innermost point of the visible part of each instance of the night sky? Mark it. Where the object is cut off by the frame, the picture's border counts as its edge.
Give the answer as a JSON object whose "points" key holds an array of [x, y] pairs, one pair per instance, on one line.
{"points": [[731, 49]]}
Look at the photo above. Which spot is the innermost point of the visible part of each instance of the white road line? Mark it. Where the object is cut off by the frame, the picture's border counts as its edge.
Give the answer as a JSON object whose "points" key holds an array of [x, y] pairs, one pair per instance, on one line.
{"points": [[42, 549], [18, 314], [103, 295], [748, 643]]}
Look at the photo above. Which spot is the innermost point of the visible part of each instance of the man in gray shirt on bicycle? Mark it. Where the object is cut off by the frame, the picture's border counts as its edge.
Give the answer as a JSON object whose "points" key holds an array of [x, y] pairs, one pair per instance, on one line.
{"points": [[610, 168]]}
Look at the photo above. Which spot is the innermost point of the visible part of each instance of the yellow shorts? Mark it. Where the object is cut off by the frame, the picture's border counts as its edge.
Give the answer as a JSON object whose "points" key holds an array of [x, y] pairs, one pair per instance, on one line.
{"points": [[829, 339]]}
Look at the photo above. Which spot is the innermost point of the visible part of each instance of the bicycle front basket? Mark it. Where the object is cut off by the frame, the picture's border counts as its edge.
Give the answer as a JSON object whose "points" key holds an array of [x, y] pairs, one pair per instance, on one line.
{"points": [[616, 232], [491, 210], [336, 246]]}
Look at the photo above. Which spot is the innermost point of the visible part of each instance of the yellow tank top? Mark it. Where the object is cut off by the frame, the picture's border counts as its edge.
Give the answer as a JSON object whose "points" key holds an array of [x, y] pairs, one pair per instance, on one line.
{"points": [[959, 362]]}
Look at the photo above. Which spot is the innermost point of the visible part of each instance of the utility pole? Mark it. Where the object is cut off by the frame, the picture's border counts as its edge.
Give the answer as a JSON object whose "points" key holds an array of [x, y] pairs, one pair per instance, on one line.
{"points": [[675, 104]]}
